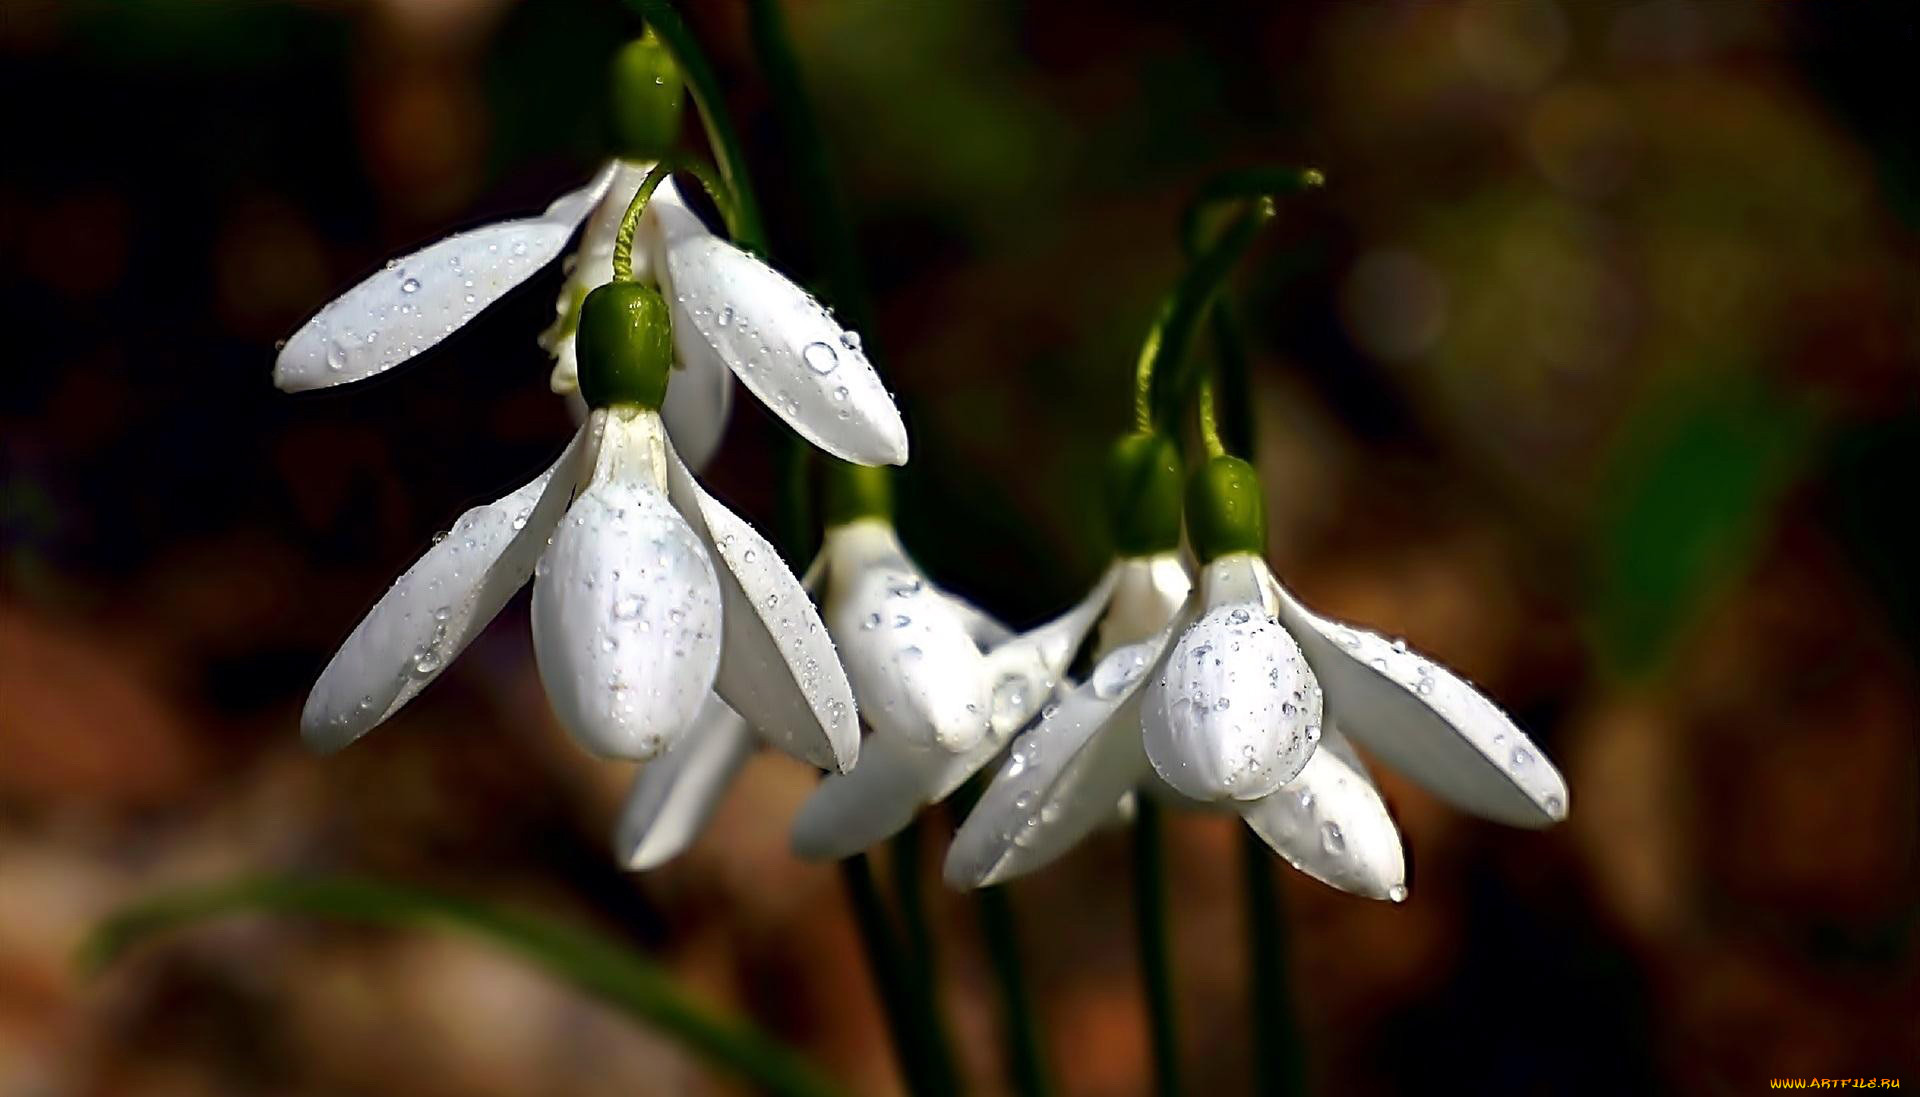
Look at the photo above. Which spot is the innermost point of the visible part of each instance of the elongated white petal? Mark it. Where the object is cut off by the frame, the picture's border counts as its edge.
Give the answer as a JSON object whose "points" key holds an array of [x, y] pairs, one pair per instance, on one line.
{"points": [[1427, 722], [1147, 592], [870, 803], [701, 391], [1063, 777], [1236, 712], [915, 669], [442, 602], [675, 795], [414, 302], [1030, 665], [780, 342], [1331, 824], [626, 605], [778, 667]]}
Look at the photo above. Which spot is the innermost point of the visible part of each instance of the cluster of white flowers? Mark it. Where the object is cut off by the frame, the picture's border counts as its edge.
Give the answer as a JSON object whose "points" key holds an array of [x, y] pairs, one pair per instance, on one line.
{"points": [[667, 631]]}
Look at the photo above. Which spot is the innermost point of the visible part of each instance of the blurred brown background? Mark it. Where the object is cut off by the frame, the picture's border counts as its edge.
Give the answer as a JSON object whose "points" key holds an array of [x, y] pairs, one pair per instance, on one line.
{"points": [[1592, 371]]}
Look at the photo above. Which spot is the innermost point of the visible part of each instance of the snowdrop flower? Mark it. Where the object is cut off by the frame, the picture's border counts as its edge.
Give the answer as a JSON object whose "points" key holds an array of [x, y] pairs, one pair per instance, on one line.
{"points": [[1244, 699], [941, 685], [648, 593], [733, 316]]}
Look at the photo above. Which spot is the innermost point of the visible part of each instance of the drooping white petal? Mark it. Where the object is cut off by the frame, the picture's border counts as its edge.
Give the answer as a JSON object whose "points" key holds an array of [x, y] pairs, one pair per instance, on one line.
{"points": [[626, 605], [1236, 712], [918, 674], [433, 611], [778, 667], [414, 302], [1425, 721], [675, 795], [1147, 593], [1025, 668], [1330, 823], [1063, 777], [780, 342], [985, 629], [871, 802], [701, 391]]}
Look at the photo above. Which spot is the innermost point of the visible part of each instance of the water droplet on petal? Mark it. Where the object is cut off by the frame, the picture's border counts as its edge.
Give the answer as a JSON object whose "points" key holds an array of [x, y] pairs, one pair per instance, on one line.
{"points": [[820, 358], [411, 285]]}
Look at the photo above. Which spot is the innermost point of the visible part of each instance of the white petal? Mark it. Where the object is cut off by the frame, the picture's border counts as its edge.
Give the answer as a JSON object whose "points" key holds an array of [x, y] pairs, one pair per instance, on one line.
{"points": [[1236, 712], [415, 301], [675, 795], [985, 629], [850, 811], [1147, 593], [626, 605], [1427, 722], [699, 398], [916, 671], [442, 602], [1030, 665], [700, 393], [780, 342], [1063, 777], [1331, 824], [778, 667]]}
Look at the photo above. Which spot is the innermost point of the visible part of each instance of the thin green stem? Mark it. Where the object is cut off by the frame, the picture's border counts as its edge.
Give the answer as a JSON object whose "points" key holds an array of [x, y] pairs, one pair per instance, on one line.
{"points": [[1171, 371], [1143, 368], [920, 963], [1240, 185], [746, 226], [601, 967], [1026, 1057], [630, 221], [1209, 418], [1156, 960], [1232, 380], [886, 963], [1279, 1055]]}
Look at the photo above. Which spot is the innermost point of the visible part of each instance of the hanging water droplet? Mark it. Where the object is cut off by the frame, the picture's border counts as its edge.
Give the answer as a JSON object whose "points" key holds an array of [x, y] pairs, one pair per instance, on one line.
{"points": [[820, 358], [1397, 893]]}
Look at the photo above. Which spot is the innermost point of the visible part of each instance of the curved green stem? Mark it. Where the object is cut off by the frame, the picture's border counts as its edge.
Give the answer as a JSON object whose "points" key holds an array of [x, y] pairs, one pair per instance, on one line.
{"points": [[1209, 418], [601, 967], [745, 226], [888, 966], [1279, 1055], [1156, 960], [1143, 368], [630, 221], [1241, 185], [1170, 374]]}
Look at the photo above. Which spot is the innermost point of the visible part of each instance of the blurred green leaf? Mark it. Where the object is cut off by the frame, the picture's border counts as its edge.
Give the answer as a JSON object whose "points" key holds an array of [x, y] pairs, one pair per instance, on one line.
{"points": [[1692, 491], [603, 968]]}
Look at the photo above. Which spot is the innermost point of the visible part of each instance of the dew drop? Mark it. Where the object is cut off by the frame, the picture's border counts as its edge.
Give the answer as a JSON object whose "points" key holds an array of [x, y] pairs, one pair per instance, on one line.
{"points": [[411, 285], [820, 358], [1331, 839]]}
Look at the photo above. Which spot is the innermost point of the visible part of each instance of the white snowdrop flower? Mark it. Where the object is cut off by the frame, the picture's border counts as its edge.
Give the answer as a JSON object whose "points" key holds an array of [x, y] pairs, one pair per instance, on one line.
{"points": [[733, 315], [1290, 772], [941, 685], [648, 593]]}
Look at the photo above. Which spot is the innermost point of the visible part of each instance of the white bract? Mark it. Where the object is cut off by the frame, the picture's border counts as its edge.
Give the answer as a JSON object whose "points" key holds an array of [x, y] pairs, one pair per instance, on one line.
{"points": [[648, 596], [1287, 769], [940, 684], [733, 316]]}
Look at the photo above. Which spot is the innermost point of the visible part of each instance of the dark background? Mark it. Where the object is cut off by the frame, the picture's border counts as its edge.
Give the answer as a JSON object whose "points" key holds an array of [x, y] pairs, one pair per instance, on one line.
{"points": [[1592, 371]]}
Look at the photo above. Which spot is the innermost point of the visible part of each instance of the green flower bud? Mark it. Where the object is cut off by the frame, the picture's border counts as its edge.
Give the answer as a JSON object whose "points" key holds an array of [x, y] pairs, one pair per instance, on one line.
{"points": [[648, 95], [850, 492], [1143, 494], [625, 346], [1225, 513]]}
